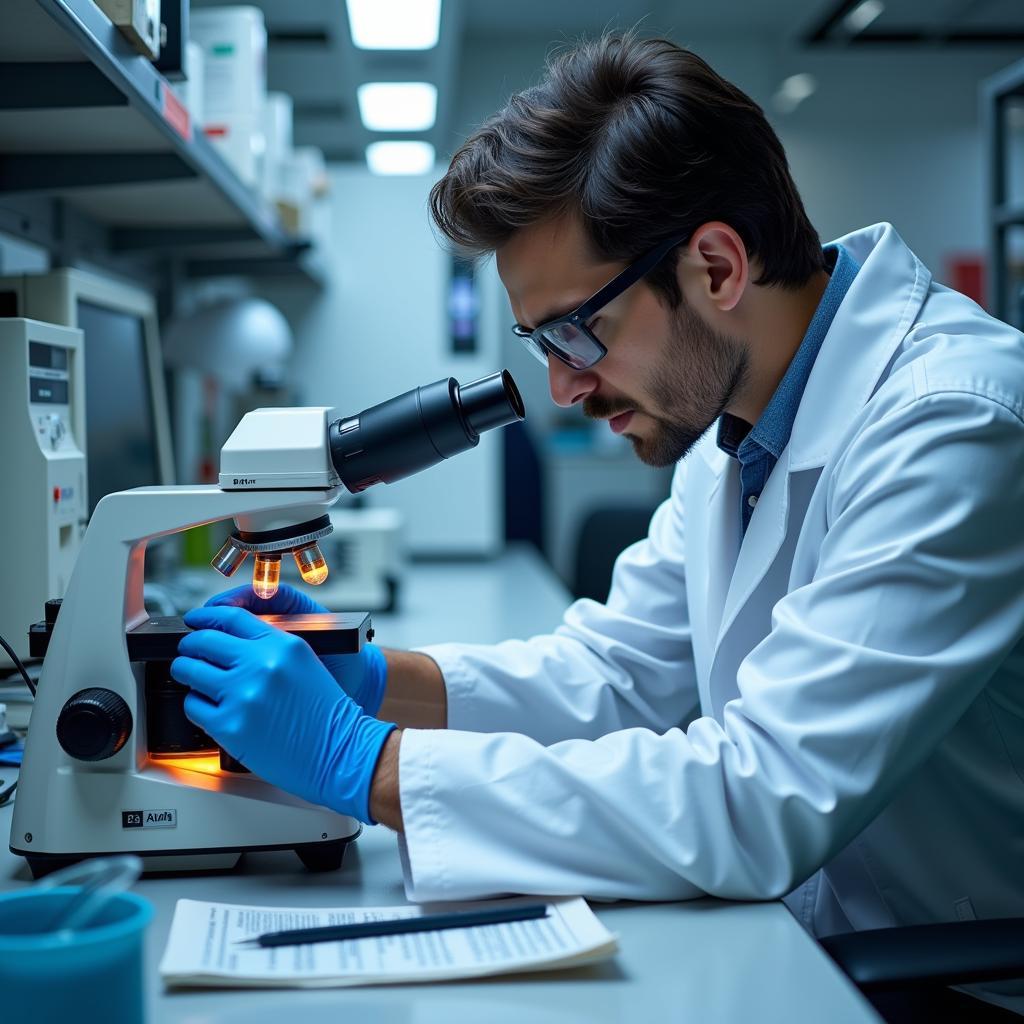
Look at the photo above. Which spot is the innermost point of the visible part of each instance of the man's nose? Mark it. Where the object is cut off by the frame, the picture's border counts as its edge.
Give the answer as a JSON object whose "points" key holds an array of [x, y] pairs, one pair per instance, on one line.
{"points": [[568, 386]]}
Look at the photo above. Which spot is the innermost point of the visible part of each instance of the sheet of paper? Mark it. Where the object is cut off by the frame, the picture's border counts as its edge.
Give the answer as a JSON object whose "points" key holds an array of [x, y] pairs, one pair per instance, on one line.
{"points": [[203, 947]]}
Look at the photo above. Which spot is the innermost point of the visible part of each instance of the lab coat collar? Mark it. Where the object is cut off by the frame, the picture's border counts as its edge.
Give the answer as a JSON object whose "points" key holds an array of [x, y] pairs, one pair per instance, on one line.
{"points": [[867, 330], [869, 326]]}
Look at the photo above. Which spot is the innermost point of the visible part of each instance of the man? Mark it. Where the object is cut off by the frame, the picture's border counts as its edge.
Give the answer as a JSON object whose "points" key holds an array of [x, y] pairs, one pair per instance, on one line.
{"points": [[806, 681]]}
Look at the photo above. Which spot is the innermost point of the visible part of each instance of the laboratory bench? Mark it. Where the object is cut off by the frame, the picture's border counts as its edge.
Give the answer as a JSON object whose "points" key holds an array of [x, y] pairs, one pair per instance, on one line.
{"points": [[704, 961]]}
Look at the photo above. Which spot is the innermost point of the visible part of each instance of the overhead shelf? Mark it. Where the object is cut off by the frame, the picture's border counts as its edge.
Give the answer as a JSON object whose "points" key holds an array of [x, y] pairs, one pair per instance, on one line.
{"points": [[88, 122]]}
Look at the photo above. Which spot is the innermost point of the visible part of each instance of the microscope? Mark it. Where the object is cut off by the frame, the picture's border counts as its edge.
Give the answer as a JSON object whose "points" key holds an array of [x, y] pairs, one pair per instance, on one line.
{"points": [[112, 764]]}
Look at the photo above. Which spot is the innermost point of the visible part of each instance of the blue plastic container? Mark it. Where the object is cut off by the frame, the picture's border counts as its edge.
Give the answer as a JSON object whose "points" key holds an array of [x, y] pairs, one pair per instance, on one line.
{"points": [[91, 976]]}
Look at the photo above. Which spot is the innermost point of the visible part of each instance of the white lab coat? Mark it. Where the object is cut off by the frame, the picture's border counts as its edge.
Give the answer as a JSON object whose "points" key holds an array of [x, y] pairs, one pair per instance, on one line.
{"points": [[836, 697]]}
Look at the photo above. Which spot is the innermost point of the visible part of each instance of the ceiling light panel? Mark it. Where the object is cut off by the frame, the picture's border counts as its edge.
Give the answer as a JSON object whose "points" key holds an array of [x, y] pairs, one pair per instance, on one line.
{"points": [[398, 106], [400, 157], [394, 24], [863, 15], [793, 91]]}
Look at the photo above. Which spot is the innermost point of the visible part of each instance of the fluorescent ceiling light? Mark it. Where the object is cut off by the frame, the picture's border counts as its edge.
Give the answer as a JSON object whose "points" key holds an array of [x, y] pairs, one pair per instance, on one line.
{"points": [[793, 91], [400, 157], [394, 24], [398, 106], [862, 15]]}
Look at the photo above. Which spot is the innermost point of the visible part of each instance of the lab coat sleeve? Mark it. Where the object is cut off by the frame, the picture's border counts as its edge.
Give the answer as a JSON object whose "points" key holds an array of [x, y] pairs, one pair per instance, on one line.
{"points": [[627, 662], [917, 598]]}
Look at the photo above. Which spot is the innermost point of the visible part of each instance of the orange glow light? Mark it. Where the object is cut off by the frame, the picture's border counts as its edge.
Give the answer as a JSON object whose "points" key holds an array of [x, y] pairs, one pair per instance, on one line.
{"points": [[312, 564], [208, 764], [266, 574]]}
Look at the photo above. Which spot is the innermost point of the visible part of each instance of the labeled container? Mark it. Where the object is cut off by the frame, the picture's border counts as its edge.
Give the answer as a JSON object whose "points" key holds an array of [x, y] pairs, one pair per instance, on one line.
{"points": [[277, 129], [234, 45], [240, 141], [190, 91], [234, 42]]}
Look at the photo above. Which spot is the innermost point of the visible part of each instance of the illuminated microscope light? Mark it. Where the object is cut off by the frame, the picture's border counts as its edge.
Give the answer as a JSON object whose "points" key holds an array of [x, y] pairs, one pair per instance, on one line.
{"points": [[269, 547], [312, 564], [266, 575]]}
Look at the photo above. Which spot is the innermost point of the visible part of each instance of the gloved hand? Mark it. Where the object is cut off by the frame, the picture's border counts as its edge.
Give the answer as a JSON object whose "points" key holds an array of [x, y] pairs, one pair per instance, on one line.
{"points": [[264, 696], [362, 676]]}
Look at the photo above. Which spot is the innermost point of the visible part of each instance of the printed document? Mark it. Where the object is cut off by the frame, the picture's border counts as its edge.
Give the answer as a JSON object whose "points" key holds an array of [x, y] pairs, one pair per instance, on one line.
{"points": [[205, 947]]}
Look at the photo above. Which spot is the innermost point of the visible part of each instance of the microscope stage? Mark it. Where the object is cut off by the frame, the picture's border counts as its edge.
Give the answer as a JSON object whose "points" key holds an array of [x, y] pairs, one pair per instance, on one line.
{"points": [[157, 639]]}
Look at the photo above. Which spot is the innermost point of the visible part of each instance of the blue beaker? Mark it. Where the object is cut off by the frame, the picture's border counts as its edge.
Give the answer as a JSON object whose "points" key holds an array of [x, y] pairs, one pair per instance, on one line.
{"points": [[92, 974]]}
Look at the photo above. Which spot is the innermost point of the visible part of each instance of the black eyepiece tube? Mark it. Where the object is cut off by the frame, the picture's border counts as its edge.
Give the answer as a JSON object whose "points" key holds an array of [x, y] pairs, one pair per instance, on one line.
{"points": [[492, 401], [403, 435]]}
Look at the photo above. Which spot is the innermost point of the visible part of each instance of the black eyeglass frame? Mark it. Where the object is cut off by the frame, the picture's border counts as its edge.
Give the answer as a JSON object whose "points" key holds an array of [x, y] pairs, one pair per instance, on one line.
{"points": [[539, 345]]}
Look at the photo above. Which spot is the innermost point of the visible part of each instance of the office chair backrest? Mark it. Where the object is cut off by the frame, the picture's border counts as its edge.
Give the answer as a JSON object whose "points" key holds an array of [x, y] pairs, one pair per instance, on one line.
{"points": [[603, 534]]}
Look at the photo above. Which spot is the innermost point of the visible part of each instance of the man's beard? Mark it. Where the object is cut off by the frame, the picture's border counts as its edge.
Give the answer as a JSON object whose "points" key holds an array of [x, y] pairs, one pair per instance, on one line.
{"points": [[698, 377]]}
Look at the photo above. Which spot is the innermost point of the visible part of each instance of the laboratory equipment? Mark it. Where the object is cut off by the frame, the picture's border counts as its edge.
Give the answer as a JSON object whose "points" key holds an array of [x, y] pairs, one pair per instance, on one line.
{"points": [[112, 764], [366, 558], [43, 511], [230, 339], [127, 434]]}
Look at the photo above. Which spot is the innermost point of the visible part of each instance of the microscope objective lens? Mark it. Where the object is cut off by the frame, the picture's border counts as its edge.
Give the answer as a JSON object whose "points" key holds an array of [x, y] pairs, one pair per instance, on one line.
{"points": [[266, 575], [312, 564]]}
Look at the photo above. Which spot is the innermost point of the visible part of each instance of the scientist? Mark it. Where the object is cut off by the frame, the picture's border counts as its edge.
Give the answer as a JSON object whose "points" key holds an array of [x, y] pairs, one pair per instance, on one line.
{"points": [[808, 680]]}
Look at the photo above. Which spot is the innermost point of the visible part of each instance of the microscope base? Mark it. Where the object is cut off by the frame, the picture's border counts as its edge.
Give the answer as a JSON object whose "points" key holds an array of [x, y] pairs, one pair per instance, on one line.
{"points": [[315, 857]]}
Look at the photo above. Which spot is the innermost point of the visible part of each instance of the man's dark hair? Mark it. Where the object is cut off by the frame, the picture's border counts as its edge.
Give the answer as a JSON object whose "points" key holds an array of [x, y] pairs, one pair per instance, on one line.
{"points": [[640, 139]]}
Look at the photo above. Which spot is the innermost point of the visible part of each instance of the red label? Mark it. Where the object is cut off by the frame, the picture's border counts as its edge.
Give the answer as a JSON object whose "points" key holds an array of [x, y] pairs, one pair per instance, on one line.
{"points": [[176, 113]]}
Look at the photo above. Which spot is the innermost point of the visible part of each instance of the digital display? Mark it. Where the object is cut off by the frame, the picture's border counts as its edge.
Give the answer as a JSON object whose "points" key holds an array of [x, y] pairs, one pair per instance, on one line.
{"points": [[47, 357], [119, 416], [41, 389]]}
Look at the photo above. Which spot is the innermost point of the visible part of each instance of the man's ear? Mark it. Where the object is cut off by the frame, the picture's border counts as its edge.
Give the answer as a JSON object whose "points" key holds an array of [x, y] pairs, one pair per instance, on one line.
{"points": [[717, 252]]}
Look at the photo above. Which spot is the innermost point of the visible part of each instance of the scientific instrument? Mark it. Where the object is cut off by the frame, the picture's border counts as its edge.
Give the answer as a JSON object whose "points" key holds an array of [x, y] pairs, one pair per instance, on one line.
{"points": [[112, 764], [42, 422]]}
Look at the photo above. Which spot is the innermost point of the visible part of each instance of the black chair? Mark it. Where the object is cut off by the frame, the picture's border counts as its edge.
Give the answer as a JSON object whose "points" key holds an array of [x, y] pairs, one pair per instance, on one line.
{"points": [[603, 534], [906, 972], [523, 486]]}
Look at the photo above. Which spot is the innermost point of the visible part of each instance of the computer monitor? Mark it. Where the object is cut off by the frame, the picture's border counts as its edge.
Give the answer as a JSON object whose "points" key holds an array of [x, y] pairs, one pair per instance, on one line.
{"points": [[127, 430]]}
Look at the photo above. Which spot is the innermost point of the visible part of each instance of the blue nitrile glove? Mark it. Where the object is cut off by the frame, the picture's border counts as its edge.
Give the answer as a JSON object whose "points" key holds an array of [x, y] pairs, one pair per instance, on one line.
{"points": [[264, 696], [362, 676]]}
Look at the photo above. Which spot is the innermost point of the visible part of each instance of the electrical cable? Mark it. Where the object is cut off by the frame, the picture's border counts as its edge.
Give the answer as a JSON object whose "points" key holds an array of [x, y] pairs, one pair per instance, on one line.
{"points": [[19, 665], [6, 794]]}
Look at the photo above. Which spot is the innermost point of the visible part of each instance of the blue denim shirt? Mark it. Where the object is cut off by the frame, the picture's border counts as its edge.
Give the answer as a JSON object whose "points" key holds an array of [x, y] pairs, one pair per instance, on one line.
{"points": [[758, 448]]}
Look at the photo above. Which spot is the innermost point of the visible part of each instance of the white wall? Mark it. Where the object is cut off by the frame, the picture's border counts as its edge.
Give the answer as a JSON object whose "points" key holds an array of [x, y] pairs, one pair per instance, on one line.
{"points": [[379, 328]]}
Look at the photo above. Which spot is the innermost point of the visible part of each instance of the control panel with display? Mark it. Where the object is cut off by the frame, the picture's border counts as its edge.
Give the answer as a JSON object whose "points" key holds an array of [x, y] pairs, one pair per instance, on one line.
{"points": [[43, 512]]}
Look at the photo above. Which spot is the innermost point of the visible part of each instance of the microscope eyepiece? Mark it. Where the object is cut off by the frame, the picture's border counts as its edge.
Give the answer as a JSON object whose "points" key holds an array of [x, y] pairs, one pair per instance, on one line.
{"points": [[403, 435], [490, 402]]}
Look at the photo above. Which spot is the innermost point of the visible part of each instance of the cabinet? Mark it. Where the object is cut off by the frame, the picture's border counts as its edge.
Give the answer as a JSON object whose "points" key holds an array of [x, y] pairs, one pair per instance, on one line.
{"points": [[1003, 121]]}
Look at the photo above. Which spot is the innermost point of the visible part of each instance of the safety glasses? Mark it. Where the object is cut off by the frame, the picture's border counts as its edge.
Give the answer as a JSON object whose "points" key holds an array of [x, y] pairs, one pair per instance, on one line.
{"points": [[568, 337]]}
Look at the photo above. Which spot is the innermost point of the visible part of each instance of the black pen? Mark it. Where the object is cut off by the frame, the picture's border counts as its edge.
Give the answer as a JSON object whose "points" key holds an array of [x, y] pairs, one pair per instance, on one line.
{"points": [[401, 925]]}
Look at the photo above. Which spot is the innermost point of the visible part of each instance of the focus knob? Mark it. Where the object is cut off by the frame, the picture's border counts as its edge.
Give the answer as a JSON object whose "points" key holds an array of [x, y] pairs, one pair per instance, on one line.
{"points": [[94, 724]]}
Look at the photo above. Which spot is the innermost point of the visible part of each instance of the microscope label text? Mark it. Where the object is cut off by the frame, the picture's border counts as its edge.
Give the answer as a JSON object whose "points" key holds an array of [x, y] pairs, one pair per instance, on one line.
{"points": [[163, 818]]}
